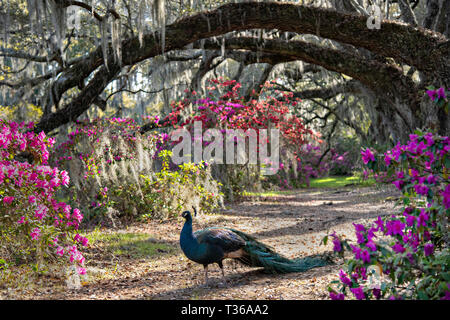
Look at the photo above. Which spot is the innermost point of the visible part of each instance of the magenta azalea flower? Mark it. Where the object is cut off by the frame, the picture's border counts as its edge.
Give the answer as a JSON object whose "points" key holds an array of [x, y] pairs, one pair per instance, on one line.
{"points": [[432, 94], [77, 215], [447, 296], [358, 292], [336, 243], [431, 179], [380, 224], [398, 184], [421, 189], [60, 251], [8, 200], [356, 251], [410, 220], [365, 255], [376, 293], [367, 156], [398, 248], [360, 238], [371, 233], [446, 197], [339, 296], [429, 138], [429, 249], [440, 93], [35, 234], [387, 159], [423, 217], [371, 245], [344, 278], [394, 227]]}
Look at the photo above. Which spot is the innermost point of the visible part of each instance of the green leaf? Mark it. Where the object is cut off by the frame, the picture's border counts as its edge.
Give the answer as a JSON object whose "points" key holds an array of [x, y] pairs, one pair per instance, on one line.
{"points": [[351, 266], [383, 287], [401, 278], [422, 295], [447, 162]]}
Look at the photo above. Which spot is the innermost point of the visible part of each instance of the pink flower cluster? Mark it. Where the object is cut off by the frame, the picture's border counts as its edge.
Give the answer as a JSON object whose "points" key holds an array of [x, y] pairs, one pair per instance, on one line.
{"points": [[436, 93], [308, 165], [29, 197], [419, 168], [427, 156]]}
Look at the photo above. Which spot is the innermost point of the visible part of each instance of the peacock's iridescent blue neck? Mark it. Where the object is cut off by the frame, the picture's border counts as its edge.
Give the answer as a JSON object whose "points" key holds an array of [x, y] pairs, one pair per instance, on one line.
{"points": [[189, 244]]}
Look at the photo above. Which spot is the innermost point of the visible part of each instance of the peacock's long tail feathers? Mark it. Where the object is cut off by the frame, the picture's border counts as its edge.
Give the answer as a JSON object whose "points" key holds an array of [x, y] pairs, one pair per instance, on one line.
{"points": [[257, 254]]}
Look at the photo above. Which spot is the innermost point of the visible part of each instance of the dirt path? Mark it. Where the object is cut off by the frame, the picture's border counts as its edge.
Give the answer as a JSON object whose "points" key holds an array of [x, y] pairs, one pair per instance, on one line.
{"points": [[293, 224]]}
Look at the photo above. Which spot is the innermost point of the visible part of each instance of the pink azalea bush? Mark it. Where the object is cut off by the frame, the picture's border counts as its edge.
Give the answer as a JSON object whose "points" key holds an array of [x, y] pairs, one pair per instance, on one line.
{"points": [[333, 163], [223, 108], [33, 223], [310, 163], [408, 251], [375, 167], [404, 255]]}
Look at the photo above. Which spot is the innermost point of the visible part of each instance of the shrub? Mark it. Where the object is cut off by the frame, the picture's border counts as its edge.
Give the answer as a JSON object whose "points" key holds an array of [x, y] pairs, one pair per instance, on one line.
{"points": [[34, 225], [411, 258], [310, 163], [120, 177], [344, 155], [105, 158], [168, 192], [223, 108]]}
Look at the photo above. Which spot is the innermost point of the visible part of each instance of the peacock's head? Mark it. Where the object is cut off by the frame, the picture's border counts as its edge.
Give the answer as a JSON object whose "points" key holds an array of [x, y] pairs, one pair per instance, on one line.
{"points": [[187, 215]]}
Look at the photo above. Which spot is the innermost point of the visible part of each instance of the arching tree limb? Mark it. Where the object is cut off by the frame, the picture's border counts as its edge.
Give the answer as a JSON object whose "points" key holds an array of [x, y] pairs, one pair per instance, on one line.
{"points": [[424, 49]]}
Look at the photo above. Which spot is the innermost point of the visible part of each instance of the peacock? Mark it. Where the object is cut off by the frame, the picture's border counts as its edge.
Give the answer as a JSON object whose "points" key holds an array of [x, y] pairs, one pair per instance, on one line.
{"points": [[214, 244]]}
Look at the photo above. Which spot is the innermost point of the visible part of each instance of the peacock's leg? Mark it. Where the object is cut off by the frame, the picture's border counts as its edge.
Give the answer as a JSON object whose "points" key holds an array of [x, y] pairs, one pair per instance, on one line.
{"points": [[206, 273], [223, 271]]}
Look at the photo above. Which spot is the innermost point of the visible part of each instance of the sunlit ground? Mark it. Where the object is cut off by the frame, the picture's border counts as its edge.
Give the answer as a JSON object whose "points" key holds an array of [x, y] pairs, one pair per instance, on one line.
{"points": [[327, 182]]}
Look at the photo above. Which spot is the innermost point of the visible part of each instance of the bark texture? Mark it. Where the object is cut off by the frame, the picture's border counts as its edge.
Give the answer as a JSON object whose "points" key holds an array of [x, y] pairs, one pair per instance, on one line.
{"points": [[423, 49]]}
